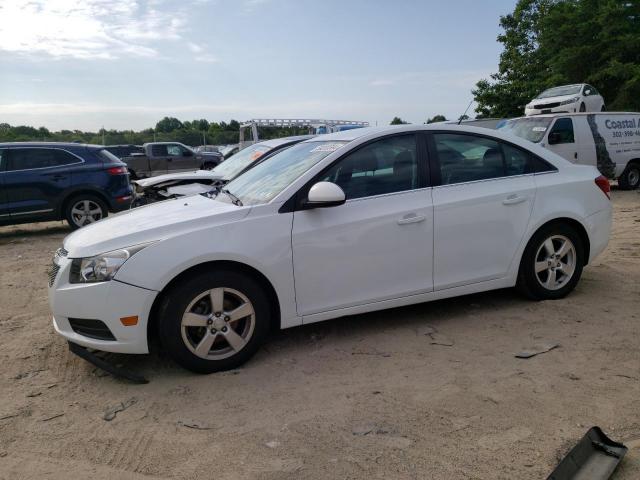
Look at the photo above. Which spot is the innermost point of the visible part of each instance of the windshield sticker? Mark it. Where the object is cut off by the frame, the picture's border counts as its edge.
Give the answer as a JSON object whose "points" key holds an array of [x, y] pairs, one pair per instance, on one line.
{"points": [[327, 147], [539, 129]]}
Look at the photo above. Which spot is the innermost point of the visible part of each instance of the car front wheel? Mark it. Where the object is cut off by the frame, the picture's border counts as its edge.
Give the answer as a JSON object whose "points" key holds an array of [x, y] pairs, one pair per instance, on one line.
{"points": [[552, 263], [214, 321]]}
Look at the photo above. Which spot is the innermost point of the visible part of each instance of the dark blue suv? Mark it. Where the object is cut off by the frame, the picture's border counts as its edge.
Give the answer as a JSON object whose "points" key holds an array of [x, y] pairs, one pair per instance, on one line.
{"points": [[60, 181]]}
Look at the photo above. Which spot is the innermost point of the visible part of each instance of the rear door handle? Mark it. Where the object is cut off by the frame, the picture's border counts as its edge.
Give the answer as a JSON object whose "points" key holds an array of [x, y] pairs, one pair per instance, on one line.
{"points": [[411, 218], [514, 200]]}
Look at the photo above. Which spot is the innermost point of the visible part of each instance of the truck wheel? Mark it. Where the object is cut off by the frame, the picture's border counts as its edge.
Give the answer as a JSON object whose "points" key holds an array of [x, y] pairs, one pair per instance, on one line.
{"points": [[552, 263], [132, 175], [583, 107], [214, 321], [84, 209], [209, 166], [604, 108], [630, 178]]}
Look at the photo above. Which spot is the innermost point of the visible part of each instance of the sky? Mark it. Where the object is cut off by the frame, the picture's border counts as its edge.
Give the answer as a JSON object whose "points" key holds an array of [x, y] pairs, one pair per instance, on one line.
{"points": [[125, 64]]}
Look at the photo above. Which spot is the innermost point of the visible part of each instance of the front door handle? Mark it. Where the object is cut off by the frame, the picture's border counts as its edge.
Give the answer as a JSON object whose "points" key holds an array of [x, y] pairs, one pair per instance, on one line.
{"points": [[514, 200], [411, 218]]}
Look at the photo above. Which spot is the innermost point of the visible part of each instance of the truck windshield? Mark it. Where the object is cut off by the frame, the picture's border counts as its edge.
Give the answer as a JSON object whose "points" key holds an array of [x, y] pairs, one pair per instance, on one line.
{"points": [[560, 91], [266, 180], [238, 162], [532, 128]]}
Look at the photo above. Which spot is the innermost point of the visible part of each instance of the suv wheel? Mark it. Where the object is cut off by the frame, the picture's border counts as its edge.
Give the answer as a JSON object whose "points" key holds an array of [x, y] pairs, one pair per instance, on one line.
{"points": [[630, 178], [552, 263], [214, 321], [85, 209]]}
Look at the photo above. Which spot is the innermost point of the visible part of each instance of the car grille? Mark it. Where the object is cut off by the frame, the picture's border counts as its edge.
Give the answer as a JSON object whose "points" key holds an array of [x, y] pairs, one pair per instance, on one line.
{"points": [[541, 106], [53, 273], [55, 268]]}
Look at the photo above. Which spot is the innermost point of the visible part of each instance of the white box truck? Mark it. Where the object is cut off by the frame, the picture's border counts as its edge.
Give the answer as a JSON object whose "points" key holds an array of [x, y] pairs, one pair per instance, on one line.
{"points": [[608, 140]]}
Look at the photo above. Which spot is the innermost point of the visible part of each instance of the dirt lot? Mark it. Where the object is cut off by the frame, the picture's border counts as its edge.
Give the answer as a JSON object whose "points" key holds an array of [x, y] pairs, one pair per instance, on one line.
{"points": [[429, 391]]}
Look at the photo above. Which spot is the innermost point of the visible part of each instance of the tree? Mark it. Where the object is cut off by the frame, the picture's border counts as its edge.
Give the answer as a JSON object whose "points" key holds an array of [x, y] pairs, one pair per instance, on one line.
{"points": [[554, 42], [168, 124], [437, 118], [398, 121]]}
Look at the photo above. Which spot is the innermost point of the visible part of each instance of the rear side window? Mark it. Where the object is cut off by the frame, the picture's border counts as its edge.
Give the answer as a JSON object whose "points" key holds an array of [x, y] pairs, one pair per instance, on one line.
{"points": [[467, 158], [561, 132], [3, 159], [159, 150], [30, 158], [521, 162]]}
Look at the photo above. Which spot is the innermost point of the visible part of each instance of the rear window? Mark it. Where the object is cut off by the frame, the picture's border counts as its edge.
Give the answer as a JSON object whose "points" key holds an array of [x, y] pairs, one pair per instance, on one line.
{"points": [[107, 156]]}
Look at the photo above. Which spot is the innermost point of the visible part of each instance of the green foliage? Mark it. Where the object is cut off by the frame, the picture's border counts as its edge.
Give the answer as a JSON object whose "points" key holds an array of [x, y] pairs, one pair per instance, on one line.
{"points": [[169, 129], [555, 42], [436, 118], [398, 121]]}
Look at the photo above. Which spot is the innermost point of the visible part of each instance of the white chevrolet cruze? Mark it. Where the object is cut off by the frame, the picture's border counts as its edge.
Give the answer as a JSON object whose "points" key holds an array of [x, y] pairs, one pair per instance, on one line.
{"points": [[567, 98], [341, 224]]}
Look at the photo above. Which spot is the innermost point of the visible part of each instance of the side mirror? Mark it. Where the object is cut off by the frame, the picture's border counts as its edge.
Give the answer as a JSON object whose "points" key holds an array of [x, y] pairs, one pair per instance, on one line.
{"points": [[323, 195], [587, 92], [555, 138]]}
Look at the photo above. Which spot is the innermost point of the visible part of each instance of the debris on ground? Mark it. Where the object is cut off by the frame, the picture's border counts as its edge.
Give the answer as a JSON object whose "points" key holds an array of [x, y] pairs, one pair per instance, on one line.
{"points": [[537, 350], [194, 426], [57, 415], [436, 337], [111, 413]]}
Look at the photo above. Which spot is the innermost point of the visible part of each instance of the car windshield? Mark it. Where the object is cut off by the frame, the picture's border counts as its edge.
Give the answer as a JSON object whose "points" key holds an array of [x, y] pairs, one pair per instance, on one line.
{"points": [[532, 129], [241, 160], [561, 91], [266, 180]]}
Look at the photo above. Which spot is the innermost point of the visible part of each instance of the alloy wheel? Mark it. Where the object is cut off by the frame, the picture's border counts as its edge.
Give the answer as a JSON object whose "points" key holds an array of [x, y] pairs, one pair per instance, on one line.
{"points": [[218, 323], [555, 262], [85, 212]]}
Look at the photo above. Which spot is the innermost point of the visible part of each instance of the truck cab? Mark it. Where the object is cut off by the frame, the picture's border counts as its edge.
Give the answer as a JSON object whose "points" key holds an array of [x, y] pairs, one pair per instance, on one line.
{"points": [[160, 158]]}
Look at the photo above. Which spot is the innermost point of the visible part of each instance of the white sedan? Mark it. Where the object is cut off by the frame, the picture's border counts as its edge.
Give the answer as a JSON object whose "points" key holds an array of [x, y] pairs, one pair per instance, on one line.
{"points": [[566, 99], [342, 224]]}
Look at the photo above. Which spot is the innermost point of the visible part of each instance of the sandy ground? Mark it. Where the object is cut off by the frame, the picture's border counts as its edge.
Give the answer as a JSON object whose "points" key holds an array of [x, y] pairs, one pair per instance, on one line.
{"points": [[428, 391]]}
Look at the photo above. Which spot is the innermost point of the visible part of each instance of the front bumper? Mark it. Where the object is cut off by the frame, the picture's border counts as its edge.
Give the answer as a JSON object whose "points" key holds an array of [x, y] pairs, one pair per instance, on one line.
{"points": [[571, 108], [107, 302]]}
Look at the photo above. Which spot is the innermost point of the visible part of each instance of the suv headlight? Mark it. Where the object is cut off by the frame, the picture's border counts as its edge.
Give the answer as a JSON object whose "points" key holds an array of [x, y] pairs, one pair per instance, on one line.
{"points": [[103, 267], [570, 101]]}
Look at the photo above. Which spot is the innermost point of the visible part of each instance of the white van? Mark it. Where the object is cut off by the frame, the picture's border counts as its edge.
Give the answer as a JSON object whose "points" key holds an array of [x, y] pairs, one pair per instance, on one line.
{"points": [[608, 140]]}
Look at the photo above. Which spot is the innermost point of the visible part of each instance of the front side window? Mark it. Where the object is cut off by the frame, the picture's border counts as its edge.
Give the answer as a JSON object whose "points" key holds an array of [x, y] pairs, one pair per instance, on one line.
{"points": [[468, 158], [267, 179], [561, 132], [386, 166], [174, 150], [29, 158]]}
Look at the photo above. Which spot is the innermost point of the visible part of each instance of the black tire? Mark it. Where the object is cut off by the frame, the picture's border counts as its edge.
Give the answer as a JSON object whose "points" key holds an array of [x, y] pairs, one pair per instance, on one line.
{"points": [[530, 283], [179, 298], [209, 165], [95, 203], [603, 108], [630, 178], [583, 107], [132, 175]]}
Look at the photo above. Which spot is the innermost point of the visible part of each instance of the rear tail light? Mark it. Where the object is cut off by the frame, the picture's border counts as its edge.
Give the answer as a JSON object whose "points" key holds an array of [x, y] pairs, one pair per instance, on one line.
{"points": [[117, 170], [603, 184]]}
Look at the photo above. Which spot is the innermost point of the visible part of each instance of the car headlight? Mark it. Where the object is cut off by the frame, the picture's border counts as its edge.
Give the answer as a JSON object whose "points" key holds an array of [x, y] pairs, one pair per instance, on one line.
{"points": [[570, 101], [103, 267]]}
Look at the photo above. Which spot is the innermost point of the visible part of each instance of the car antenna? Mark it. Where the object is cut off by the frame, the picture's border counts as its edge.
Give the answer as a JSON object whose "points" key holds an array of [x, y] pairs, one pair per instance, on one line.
{"points": [[465, 112]]}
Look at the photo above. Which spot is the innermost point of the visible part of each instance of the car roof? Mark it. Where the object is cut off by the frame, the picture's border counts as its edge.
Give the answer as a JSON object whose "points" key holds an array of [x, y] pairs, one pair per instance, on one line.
{"points": [[50, 144], [276, 142]]}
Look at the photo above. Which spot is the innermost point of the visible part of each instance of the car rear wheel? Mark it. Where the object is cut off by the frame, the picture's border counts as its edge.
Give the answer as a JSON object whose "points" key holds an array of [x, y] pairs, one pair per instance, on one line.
{"points": [[85, 209], [552, 263], [630, 178], [214, 321]]}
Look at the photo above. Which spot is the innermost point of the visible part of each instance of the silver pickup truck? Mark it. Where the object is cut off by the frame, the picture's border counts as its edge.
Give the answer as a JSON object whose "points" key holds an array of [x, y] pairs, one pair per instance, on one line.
{"points": [[160, 158]]}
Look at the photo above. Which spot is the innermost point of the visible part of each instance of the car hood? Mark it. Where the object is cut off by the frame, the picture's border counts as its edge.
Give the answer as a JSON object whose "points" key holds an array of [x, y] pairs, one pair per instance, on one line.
{"points": [[561, 98], [197, 175], [151, 223]]}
